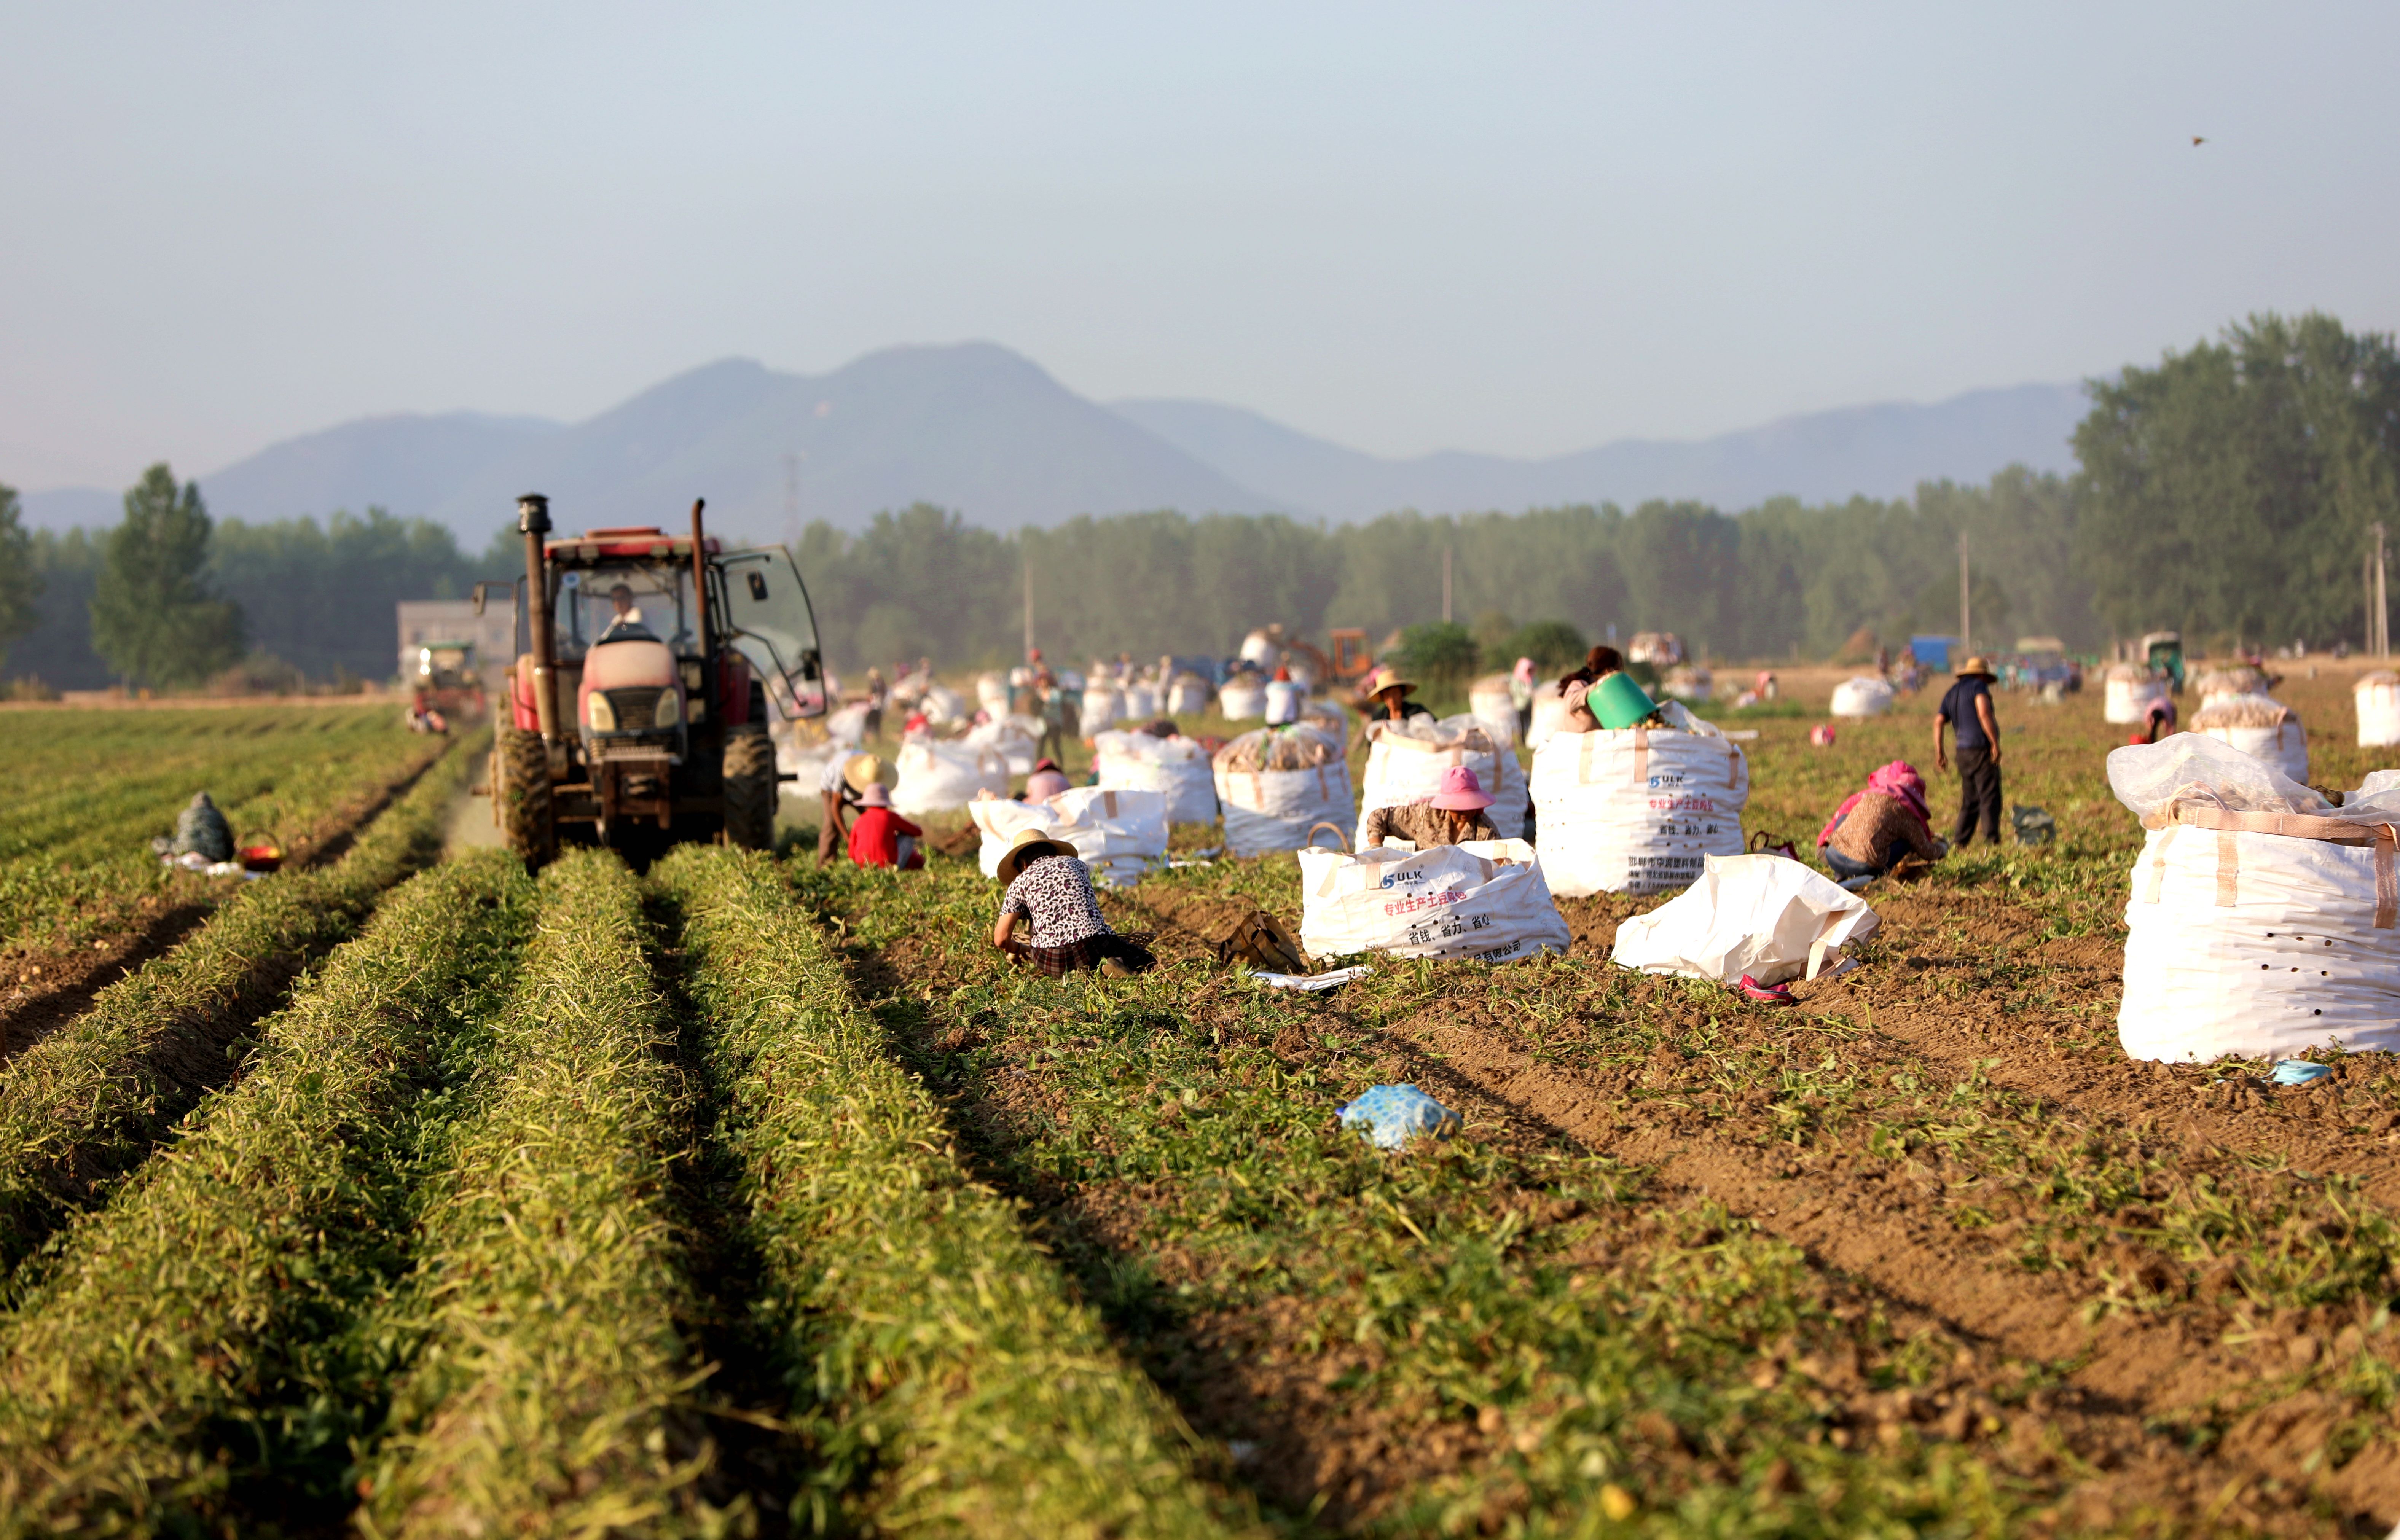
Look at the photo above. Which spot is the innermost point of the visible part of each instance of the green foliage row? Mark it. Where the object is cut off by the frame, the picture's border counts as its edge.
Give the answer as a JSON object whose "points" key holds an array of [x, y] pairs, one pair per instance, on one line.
{"points": [[90, 1099], [196, 1330], [929, 1346], [549, 1301]]}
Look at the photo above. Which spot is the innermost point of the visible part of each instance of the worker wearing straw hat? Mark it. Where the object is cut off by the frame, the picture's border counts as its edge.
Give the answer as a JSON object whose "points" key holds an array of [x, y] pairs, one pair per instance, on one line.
{"points": [[1050, 891], [1387, 697], [1967, 709], [841, 788]]}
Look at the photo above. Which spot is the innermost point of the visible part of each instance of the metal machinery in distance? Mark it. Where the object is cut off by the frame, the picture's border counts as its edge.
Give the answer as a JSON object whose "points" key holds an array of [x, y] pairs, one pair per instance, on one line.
{"points": [[639, 702]]}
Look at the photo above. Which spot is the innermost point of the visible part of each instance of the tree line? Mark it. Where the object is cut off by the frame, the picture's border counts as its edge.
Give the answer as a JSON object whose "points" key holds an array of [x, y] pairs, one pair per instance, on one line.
{"points": [[2229, 492]]}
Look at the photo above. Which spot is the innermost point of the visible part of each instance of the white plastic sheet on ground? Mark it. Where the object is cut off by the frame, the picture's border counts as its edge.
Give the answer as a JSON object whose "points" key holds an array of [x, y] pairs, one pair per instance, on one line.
{"points": [[2260, 726], [1121, 835], [1405, 760], [1270, 810], [1177, 767], [2262, 920], [1764, 916], [1864, 696], [1484, 900], [1018, 740], [2377, 696], [939, 777], [2129, 692], [1243, 699], [1637, 809]]}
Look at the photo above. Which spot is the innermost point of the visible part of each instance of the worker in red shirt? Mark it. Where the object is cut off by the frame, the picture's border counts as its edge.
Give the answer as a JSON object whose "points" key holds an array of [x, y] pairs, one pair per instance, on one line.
{"points": [[880, 837]]}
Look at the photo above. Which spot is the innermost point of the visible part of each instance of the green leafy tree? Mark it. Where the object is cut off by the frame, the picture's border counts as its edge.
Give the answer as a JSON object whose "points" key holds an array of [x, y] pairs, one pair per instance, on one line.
{"points": [[21, 576], [1441, 654], [1554, 646], [154, 615]]}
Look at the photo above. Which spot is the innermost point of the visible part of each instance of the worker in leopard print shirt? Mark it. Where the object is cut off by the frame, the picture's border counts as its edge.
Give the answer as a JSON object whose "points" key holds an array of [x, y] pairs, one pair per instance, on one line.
{"points": [[1050, 890]]}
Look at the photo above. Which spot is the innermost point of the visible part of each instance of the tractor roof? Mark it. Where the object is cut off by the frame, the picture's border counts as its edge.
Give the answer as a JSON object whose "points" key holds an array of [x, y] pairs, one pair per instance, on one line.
{"points": [[637, 542]]}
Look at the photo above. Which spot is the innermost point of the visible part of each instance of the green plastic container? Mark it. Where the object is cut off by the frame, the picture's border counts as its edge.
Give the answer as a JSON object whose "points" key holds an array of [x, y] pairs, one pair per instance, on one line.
{"points": [[1617, 701]]}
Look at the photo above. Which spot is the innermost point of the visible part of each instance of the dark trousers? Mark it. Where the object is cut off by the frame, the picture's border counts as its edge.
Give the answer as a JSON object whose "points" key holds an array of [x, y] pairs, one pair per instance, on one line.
{"points": [[1979, 796]]}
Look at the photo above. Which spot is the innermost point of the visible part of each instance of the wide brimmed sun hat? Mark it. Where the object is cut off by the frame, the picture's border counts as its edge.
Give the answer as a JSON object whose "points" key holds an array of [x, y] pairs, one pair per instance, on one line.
{"points": [[1389, 679], [1977, 667], [1029, 845], [1460, 792], [865, 771]]}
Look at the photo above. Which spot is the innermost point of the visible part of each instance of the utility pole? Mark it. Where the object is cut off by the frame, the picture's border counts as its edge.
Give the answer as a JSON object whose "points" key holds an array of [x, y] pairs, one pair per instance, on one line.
{"points": [[1445, 581], [1026, 546], [1966, 609], [2382, 612]]}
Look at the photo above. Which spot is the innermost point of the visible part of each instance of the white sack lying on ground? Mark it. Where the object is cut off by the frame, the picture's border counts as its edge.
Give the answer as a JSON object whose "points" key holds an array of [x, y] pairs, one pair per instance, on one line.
{"points": [[1405, 760], [1017, 740], [1176, 767], [1484, 900], [2262, 920], [1861, 697], [938, 777], [1770, 918], [1119, 835], [1637, 809], [2377, 696]]}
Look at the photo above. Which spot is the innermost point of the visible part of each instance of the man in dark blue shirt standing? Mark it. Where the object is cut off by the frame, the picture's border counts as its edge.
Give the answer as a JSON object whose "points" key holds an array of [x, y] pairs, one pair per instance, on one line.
{"points": [[1968, 708]]}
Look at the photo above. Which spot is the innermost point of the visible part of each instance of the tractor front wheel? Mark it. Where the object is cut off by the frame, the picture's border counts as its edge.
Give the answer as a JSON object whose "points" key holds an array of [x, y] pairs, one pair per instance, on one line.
{"points": [[521, 796], [749, 787]]}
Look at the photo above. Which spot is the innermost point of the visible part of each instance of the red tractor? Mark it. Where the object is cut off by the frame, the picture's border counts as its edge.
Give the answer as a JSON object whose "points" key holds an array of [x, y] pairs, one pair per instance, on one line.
{"points": [[638, 699]]}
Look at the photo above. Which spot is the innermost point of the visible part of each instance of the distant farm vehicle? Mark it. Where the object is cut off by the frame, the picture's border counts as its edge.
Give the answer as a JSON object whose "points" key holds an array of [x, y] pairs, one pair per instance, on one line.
{"points": [[2162, 651], [448, 686], [637, 703]]}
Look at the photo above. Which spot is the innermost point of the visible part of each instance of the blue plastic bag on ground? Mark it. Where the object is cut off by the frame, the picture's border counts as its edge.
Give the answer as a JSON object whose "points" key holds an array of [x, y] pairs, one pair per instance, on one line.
{"points": [[1388, 1115]]}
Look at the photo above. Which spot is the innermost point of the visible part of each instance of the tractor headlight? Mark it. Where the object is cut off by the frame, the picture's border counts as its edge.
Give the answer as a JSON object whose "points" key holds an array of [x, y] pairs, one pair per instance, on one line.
{"points": [[600, 714], [670, 710]]}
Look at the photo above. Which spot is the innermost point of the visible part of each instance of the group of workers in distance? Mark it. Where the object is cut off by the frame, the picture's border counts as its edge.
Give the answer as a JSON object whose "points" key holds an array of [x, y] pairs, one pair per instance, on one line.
{"points": [[1050, 916]]}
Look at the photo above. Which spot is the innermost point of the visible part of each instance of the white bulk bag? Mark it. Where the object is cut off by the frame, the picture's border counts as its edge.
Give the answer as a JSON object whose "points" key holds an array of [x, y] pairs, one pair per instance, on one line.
{"points": [[1243, 699], [1284, 698], [1103, 708], [2129, 693], [1119, 834], [2223, 684], [1016, 739], [1764, 916], [1405, 760], [938, 777], [1260, 649], [943, 706], [2260, 726], [1270, 809], [2377, 696], [1637, 809], [847, 726], [1177, 767], [1689, 683], [1489, 701], [1484, 900], [1861, 697], [1140, 701], [1550, 714], [991, 693], [1189, 696]]}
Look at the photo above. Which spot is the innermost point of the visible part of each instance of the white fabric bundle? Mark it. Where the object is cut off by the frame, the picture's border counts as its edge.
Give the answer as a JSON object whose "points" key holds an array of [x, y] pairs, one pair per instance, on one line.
{"points": [[1018, 740], [943, 706], [2262, 921], [1189, 696], [1863, 696], [1689, 683], [1103, 708], [1638, 809], [1489, 701], [991, 693], [2260, 726], [847, 726], [1273, 809], [938, 777], [1284, 698], [1484, 900], [1243, 699], [1550, 714], [1405, 760], [1763, 915], [1121, 835], [2129, 693], [1140, 701], [2377, 695], [1176, 767]]}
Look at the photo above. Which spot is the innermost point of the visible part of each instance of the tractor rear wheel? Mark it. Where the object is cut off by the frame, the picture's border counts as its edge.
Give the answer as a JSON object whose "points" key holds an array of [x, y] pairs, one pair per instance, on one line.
{"points": [[749, 787], [521, 796]]}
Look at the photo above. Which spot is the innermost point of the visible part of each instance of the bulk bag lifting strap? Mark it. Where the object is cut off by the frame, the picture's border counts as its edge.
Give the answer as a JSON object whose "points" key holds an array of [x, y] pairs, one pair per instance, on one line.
{"points": [[2226, 822]]}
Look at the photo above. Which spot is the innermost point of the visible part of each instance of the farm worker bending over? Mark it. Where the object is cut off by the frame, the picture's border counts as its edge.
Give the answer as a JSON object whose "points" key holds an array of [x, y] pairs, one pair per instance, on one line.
{"points": [[1452, 816], [1968, 708], [1047, 781], [1388, 698], [1050, 891], [1875, 830], [841, 787], [882, 837], [1597, 665], [2157, 723]]}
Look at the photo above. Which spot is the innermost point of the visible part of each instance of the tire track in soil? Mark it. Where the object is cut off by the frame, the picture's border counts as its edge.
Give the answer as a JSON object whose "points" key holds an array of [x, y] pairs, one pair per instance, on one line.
{"points": [[1881, 1232], [70, 978]]}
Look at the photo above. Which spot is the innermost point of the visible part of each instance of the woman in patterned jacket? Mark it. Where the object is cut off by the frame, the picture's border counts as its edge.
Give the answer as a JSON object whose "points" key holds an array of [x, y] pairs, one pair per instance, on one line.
{"points": [[1050, 891]]}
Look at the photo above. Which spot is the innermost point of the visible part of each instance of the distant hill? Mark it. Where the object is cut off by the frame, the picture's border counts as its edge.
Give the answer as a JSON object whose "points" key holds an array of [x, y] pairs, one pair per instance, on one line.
{"points": [[979, 429], [1882, 451]]}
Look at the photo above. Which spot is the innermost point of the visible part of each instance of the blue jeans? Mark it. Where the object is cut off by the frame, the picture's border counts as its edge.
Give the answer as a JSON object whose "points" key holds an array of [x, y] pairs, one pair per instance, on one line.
{"points": [[1845, 867]]}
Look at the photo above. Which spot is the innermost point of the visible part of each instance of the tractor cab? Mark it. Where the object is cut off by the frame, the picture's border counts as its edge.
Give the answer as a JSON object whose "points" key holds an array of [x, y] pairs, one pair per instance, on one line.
{"points": [[640, 697], [2162, 650]]}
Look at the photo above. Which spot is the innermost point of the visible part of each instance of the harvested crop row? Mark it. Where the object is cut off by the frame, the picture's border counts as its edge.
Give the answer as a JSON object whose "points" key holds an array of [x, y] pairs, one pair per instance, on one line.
{"points": [[1502, 1330], [931, 1344], [545, 1396], [90, 1099], [213, 1292]]}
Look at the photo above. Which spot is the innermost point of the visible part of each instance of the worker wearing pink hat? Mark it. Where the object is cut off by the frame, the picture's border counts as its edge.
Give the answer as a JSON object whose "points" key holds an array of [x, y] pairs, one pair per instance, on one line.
{"points": [[1452, 816]]}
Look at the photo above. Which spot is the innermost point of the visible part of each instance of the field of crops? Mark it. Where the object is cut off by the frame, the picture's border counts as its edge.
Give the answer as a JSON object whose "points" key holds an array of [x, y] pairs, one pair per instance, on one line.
{"points": [[406, 1195]]}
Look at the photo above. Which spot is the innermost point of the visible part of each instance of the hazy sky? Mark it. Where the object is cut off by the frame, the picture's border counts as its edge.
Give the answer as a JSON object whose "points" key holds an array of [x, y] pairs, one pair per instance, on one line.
{"points": [[1522, 230]]}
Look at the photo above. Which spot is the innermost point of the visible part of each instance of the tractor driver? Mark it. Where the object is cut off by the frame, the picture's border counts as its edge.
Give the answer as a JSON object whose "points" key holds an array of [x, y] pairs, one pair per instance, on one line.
{"points": [[626, 624]]}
